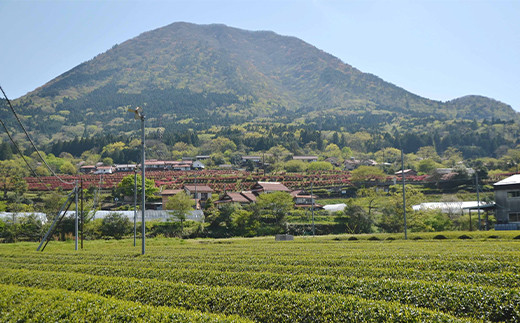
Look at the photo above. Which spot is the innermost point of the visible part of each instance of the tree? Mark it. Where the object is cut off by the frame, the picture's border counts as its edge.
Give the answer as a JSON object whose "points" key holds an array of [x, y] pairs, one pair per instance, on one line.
{"points": [[30, 228], [452, 156], [5, 151], [356, 220], [389, 155], [277, 154], [367, 173], [107, 161], [295, 166], [429, 221], [392, 219], [42, 171], [115, 225], [67, 168], [10, 172], [52, 203], [346, 152], [320, 165], [427, 166], [512, 158], [126, 186], [371, 195], [429, 152], [219, 219], [332, 150], [180, 205], [112, 149], [275, 206], [244, 223]]}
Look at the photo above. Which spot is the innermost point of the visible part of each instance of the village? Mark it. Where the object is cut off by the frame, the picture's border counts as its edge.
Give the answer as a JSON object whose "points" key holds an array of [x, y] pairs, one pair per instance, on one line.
{"points": [[321, 194]]}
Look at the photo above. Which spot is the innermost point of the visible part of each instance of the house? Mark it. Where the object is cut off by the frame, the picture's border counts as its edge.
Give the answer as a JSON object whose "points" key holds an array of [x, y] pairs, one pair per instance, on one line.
{"points": [[448, 171], [178, 165], [304, 200], [407, 172], [308, 159], [254, 159], [154, 164], [268, 187], [104, 170], [238, 198], [87, 169], [125, 167], [249, 195], [198, 192], [507, 198], [166, 194], [353, 163], [197, 165], [333, 160]]}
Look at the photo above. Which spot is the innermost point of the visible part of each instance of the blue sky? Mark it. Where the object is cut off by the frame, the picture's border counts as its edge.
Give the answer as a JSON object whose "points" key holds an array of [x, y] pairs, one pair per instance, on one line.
{"points": [[436, 49]]}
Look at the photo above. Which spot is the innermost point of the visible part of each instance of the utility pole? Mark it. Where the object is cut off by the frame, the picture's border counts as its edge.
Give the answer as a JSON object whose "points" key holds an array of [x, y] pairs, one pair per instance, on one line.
{"points": [[478, 200], [76, 229], [140, 116], [404, 194], [312, 209], [135, 203], [143, 198], [82, 215]]}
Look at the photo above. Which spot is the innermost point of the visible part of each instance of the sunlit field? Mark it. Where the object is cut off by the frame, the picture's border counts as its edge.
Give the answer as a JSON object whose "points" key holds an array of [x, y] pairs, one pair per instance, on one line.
{"points": [[311, 279]]}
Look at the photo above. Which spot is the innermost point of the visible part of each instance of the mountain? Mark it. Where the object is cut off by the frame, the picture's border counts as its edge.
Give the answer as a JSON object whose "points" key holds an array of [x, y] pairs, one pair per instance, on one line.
{"points": [[189, 76]]}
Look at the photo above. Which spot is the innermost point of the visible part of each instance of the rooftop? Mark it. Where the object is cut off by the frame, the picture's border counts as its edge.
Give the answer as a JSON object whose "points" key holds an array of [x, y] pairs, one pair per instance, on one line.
{"points": [[511, 180], [199, 188]]}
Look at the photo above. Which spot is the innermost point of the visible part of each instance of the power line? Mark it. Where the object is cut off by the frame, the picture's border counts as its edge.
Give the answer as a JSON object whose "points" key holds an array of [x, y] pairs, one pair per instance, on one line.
{"points": [[30, 140], [21, 154]]}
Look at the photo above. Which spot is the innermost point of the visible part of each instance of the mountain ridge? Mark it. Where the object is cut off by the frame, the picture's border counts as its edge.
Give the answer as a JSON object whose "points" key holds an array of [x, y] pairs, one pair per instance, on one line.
{"points": [[196, 74]]}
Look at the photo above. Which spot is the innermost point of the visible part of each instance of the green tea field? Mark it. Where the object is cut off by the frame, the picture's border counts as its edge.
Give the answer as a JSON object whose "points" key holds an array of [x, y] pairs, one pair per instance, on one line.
{"points": [[318, 279]]}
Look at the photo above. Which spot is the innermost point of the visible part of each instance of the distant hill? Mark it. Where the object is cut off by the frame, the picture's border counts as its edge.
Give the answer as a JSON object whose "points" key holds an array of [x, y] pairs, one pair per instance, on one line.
{"points": [[195, 76]]}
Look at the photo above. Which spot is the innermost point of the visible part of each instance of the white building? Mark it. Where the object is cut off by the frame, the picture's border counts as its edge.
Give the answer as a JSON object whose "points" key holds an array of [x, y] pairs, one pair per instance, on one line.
{"points": [[448, 207]]}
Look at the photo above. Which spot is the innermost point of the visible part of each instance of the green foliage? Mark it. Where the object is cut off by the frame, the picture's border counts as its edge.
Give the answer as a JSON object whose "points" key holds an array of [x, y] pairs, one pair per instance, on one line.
{"points": [[392, 217], [93, 229], [263, 280], [30, 228], [127, 185], [355, 219], [52, 203], [115, 225], [319, 165], [249, 303], [213, 86], [68, 168], [19, 304], [21, 228], [295, 166], [107, 161], [367, 173], [427, 166], [180, 204], [429, 221], [275, 206], [168, 229], [244, 223]]}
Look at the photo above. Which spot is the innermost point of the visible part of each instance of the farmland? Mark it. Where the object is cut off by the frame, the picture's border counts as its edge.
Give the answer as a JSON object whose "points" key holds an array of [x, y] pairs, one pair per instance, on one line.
{"points": [[238, 280]]}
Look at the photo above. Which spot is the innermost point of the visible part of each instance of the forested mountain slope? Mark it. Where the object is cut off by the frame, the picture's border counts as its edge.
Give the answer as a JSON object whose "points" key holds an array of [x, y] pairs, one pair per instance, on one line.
{"points": [[202, 75]]}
